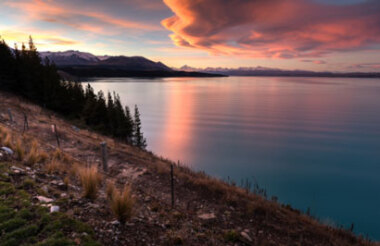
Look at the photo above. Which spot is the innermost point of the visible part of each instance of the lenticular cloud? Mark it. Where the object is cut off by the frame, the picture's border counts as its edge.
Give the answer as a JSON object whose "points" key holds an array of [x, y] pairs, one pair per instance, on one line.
{"points": [[273, 28]]}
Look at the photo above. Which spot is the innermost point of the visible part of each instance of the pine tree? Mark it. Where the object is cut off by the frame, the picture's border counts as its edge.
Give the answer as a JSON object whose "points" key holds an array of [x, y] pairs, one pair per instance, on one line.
{"points": [[7, 66], [129, 125], [139, 139], [22, 72]]}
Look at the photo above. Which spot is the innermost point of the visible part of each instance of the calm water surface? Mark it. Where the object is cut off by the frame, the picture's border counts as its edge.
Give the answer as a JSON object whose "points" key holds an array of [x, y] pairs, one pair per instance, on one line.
{"points": [[313, 142]]}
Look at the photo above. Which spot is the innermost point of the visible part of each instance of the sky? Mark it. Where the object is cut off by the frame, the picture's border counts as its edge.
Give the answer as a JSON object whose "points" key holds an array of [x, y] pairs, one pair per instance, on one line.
{"points": [[319, 35]]}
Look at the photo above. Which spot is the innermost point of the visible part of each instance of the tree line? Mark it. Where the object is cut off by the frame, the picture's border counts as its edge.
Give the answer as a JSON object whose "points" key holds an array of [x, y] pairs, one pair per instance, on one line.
{"points": [[22, 72]]}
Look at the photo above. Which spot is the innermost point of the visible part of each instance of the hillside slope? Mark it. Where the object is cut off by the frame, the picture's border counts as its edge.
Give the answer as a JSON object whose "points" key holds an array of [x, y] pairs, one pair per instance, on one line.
{"points": [[206, 211]]}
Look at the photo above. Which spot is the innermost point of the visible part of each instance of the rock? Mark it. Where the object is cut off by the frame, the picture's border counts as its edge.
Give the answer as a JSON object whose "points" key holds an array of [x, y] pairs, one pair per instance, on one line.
{"points": [[43, 199], [147, 199], [62, 186], [7, 150], [75, 128], [54, 209], [246, 236], [115, 223], [206, 216], [93, 205], [17, 170]]}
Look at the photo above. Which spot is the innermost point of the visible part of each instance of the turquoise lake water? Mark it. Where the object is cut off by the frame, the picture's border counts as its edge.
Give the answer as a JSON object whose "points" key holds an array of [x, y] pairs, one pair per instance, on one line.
{"points": [[312, 142]]}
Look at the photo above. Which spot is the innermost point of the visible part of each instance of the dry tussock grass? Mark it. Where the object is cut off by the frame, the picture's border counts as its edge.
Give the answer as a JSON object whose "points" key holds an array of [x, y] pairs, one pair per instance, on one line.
{"points": [[54, 166], [7, 142], [19, 149], [59, 155], [122, 204], [90, 180], [35, 155], [6, 138]]}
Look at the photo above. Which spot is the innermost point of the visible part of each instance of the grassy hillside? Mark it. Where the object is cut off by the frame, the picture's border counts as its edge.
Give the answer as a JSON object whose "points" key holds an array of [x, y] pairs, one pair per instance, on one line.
{"points": [[135, 190]]}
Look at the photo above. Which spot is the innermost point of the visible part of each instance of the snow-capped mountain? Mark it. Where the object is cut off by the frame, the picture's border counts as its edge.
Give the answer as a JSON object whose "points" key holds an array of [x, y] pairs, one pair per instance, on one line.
{"points": [[70, 57], [77, 58]]}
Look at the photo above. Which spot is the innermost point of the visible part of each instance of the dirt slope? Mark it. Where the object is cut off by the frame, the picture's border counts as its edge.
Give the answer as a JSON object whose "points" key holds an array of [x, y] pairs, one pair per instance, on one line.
{"points": [[206, 212]]}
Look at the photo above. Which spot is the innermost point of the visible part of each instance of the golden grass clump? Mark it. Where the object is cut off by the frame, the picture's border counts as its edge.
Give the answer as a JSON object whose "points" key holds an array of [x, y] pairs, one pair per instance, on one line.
{"points": [[90, 179], [54, 166], [74, 169], [110, 190], [20, 151], [57, 154], [35, 155], [7, 142], [4, 134], [122, 204]]}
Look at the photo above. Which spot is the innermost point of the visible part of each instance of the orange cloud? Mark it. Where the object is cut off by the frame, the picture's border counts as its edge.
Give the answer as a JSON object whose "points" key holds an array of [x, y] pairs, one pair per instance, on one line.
{"points": [[78, 18], [41, 38], [273, 28]]}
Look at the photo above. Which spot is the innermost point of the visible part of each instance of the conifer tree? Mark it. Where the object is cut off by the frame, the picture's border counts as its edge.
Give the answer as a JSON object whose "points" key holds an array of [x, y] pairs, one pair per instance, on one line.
{"points": [[22, 72], [129, 124], [139, 139]]}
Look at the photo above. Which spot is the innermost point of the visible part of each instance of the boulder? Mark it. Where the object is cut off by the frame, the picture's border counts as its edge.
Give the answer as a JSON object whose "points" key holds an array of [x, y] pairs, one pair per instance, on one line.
{"points": [[246, 236], [7, 150], [43, 199], [54, 209], [207, 216]]}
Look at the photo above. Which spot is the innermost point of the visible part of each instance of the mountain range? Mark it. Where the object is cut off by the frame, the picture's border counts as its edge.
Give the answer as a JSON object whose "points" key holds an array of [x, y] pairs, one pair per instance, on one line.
{"points": [[265, 71], [82, 64], [77, 58]]}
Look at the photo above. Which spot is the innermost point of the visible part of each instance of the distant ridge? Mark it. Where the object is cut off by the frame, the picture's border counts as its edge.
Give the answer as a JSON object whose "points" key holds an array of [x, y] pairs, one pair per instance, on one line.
{"points": [[75, 58], [264, 71], [82, 64]]}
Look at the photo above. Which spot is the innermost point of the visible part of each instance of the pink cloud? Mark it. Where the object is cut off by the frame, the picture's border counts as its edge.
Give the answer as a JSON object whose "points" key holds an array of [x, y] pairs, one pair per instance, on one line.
{"points": [[62, 13], [273, 28]]}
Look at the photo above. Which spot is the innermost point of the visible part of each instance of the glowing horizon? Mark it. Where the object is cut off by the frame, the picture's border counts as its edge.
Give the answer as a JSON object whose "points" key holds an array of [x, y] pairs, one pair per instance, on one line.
{"points": [[318, 35]]}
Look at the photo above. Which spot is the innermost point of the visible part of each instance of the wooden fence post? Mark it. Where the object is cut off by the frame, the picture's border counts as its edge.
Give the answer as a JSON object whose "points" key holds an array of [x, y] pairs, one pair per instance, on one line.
{"points": [[172, 183], [26, 124], [104, 156], [10, 115], [55, 130]]}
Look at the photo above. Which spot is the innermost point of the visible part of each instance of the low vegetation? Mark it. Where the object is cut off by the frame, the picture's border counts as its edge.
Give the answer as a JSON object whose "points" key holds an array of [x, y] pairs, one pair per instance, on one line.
{"points": [[35, 154], [23, 223], [122, 204], [90, 180]]}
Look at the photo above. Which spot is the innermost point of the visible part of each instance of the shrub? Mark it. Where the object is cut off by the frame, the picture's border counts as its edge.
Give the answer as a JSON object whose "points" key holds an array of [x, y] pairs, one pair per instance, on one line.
{"points": [[90, 179], [122, 204]]}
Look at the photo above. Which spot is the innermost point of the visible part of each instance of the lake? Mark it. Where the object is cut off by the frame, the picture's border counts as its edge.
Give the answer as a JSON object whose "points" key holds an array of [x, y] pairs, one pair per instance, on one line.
{"points": [[312, 142]]}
